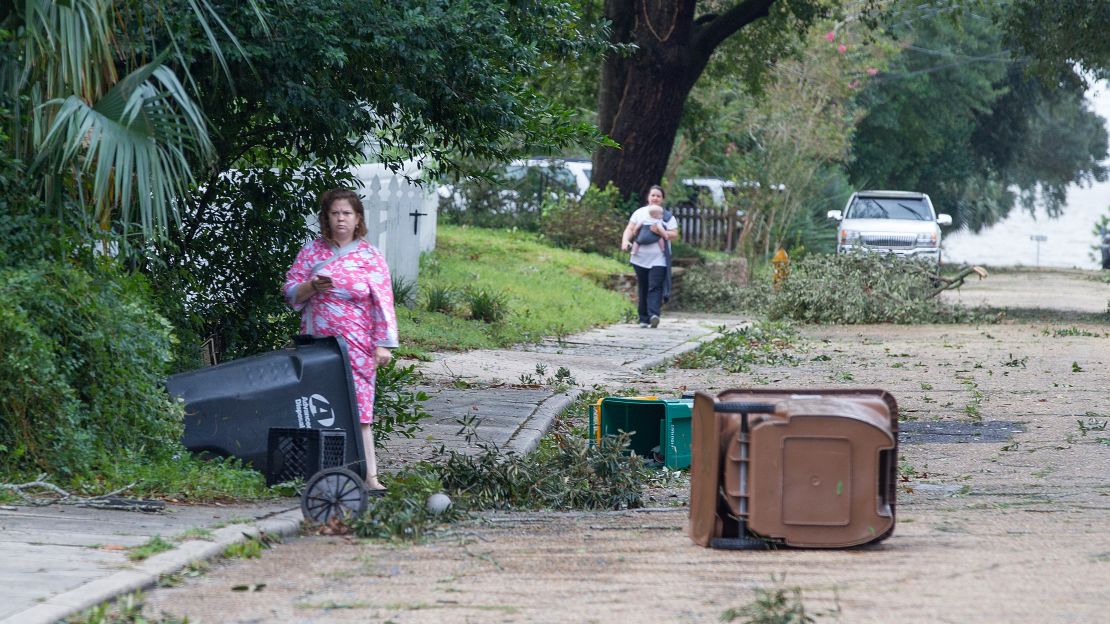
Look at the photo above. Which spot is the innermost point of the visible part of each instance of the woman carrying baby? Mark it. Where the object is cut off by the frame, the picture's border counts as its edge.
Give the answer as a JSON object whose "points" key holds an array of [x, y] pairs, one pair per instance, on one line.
{"points": [[648, 236]]}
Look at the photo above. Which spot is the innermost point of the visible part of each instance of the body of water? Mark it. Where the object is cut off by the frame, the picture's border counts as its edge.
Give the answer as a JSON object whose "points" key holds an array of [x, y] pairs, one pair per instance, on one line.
{"points": [[1069, 239]]}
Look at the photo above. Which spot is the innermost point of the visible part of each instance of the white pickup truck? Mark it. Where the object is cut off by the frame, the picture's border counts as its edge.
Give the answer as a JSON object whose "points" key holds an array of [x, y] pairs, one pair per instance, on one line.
{"points": [[897, 222]]}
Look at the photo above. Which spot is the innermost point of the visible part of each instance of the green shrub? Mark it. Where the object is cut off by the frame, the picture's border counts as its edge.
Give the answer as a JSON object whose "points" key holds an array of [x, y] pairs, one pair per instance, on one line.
{"points": [[398, 409], [404, 290], [440, 299], [220, 274], [705, 289], [81, 371], [681, 249], [861, 288], [486, 305], [29, 232], [592, 224], [182, 476]]}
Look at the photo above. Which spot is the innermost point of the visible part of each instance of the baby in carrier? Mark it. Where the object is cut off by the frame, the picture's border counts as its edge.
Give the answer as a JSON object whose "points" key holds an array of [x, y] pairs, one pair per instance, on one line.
{"points": [[645, 236]]}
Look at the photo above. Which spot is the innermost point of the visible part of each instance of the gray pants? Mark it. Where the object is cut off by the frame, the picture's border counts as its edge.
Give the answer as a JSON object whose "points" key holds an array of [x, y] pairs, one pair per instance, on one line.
{"points": [[649, 291]]}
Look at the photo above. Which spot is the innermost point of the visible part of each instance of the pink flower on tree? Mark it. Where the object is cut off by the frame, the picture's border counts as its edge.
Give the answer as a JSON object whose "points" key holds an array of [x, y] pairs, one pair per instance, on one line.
{"points": [[842, 48], [830, 36], [853, 84], [871, 71]]}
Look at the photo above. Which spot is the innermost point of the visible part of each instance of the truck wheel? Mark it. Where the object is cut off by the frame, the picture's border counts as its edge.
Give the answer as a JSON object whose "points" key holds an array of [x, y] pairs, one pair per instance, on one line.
{"points": [[333, 493]]}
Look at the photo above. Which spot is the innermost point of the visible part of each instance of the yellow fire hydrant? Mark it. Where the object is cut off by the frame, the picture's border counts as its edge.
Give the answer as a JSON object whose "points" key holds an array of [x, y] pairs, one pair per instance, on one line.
{"points": [[781, 263]]}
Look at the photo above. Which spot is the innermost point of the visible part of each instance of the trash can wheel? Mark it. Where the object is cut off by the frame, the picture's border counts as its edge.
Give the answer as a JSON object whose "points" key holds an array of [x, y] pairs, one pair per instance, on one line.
{"points": [[333, 493]]}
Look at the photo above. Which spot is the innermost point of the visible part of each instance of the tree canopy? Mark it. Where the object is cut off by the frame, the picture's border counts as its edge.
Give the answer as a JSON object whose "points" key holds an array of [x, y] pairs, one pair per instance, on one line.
{"points": [[110, 101], [1060, 36], [958, 116], [108, 135], [642, 94]]}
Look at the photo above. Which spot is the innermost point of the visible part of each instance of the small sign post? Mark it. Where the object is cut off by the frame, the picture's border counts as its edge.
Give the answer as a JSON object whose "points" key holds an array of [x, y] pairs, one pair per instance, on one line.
{"points": [[1038, 238]]}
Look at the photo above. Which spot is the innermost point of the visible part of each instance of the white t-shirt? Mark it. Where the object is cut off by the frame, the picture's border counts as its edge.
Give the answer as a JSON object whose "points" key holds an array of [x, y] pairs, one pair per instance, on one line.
{"points": [[649, 255]]}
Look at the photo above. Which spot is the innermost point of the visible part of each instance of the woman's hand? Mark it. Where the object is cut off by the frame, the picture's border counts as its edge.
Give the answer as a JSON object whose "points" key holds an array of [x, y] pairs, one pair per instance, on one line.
{"points": [[321, 283], [382, 356], [663, 232], [311, 288], [629, 232]]}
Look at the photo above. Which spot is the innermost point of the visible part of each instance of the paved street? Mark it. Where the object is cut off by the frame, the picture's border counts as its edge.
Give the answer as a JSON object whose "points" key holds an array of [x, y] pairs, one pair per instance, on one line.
{"points": [[57, 560], [1001, 510]]}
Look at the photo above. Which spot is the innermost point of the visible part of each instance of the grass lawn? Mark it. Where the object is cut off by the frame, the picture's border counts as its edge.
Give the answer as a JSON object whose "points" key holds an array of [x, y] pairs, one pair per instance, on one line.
{"points": [[544, 291]]}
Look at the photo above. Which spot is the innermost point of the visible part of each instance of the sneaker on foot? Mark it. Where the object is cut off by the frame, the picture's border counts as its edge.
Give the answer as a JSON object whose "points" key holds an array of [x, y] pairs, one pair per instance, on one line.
{"points": [[644, 325], [654, 321]]}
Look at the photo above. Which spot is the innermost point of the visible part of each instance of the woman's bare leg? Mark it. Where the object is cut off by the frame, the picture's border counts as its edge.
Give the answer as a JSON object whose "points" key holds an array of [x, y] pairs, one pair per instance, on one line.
{"points": [[371, 460]]}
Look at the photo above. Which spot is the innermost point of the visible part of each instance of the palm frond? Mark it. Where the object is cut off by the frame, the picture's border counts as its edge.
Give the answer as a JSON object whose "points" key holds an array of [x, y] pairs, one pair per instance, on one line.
{"points": [[137, 140], [95, 139], [69, 45]]}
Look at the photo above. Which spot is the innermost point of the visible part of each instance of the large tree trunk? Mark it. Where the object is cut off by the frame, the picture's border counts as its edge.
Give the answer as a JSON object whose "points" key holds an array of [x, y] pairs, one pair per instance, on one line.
{"points": [[642, 96]]}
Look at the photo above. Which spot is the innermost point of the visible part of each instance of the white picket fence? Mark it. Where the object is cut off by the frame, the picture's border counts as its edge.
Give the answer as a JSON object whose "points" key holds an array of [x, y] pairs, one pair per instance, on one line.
{"points": [[400, 218]]}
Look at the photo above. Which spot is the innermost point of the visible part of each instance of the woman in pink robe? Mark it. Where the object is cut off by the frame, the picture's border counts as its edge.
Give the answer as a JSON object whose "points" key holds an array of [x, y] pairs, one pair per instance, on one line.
{"points": [[341, 286]]}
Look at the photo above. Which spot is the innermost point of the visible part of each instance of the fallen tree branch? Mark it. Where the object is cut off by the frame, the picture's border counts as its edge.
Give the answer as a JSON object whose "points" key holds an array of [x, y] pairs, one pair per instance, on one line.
{"points": [[111, 500], [948, 283], [38, 483]]}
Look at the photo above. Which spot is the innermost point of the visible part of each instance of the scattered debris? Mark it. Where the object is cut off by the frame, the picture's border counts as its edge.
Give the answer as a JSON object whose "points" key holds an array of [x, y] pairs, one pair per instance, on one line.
{"points": [[111, 500]]}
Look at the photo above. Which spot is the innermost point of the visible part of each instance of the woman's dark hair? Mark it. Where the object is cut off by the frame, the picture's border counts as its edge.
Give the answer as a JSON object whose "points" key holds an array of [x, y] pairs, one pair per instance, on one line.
{"points": [[334, 195], [656, 187]]}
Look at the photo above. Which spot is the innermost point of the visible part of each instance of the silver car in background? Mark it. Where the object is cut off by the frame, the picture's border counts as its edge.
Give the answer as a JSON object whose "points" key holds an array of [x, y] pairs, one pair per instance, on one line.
{"points": [[897, 222]]}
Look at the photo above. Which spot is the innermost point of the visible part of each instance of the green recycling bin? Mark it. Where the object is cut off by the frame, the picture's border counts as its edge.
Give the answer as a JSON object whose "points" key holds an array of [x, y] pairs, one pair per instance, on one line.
{"points": [[661, 426]]}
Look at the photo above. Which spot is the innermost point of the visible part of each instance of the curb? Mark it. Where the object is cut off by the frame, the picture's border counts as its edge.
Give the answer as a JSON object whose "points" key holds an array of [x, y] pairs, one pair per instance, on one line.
{"points": [[662, 358], [527, 436], [146, 573]]}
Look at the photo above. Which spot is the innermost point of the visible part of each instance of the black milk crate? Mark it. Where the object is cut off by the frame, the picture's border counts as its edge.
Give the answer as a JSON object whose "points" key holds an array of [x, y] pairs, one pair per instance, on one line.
{"points": [[294, 453]]}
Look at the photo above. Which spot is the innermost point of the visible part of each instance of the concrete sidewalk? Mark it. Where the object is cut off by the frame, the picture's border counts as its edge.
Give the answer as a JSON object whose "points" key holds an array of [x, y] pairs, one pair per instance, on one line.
{"points": [[615, 354], [512, 406], [56, 561], [60, 560]]}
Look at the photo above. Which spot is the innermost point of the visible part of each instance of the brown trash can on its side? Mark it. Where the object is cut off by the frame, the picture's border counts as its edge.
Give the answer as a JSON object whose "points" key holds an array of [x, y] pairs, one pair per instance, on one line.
{"points": [[803, 468]]}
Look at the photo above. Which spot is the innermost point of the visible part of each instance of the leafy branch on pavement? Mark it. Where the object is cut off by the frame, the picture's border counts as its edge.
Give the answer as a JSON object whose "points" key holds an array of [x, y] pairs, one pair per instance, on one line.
{"points": [[766, 343], [403, 512], [566, 472], [777, 606], [861, 288]]}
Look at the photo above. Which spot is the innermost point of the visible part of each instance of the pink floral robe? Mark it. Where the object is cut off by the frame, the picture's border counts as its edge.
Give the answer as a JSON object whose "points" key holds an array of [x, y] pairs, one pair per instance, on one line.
{"points": [[359, 307]]}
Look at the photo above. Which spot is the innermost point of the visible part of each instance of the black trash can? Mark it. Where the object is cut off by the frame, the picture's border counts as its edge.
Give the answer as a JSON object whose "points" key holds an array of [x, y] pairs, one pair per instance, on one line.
{"points": [[254, 408]]}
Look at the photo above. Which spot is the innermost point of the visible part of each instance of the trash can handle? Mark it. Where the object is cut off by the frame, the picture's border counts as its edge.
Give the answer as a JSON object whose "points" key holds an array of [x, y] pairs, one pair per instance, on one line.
{"points": [[740, 407]]}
